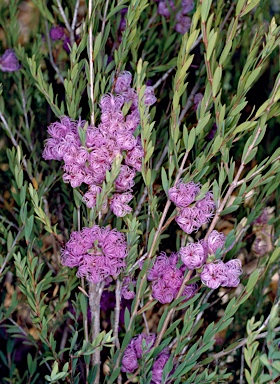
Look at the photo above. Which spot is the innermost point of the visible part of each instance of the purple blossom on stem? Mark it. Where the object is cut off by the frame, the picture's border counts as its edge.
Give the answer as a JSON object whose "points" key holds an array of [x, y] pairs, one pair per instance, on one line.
{"points": [[187, 6], [97, 252], [197, 100], [189, 291], [219, 274], [9, 61], [118, 204], [164, 7], [149, 96], [56, 33], [215, 240], [182, 194], [134, 351], [126, 291], [123, 82], [193, 255], [213, 274], [183, 23], [159, 365], [124, 182], [129, 360]]}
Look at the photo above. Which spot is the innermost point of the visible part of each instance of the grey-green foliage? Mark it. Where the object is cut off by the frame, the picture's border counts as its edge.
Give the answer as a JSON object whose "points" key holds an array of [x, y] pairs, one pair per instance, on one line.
{"points": [[236, 44]]}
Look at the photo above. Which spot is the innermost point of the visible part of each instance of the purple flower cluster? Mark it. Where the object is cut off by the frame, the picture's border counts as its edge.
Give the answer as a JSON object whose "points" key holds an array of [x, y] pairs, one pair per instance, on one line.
{"points": [[218, 274], [88, 162], [134, 351], [183, 22], [214, 274], [126, 291], [58, 33], [167, 279], [98, 253], [192, 215], [159, 365], [9, 61], [194, 255]]}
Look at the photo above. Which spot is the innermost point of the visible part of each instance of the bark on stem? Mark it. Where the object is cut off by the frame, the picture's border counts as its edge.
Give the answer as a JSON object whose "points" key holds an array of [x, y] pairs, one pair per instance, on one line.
{"points": [[95, 292]]}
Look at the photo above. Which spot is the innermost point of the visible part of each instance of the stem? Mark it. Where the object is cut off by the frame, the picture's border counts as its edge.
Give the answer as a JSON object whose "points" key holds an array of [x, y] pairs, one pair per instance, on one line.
{"points": [[117, 313], [74, 21], [91, 72], [104, 16], [95, 292]]}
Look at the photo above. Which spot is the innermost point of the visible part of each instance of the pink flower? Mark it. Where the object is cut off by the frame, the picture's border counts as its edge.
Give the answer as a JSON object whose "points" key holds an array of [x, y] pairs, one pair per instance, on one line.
{"points": [[149, 96], [193, 255], [124, 182], [134, 157], [182, 194], [9, 61], [129, 360], [215, 240], [218, 273], [90, 197], [137, 342], [172, 277], [163, 293], [56, 33], [187, 220], [187, 6], [134, 351], [164, 7], [159, 365], [189, 291], [126, 291], [97, 252], [183, 23], [213, 274], [160, 265], [233, 271], [123, 82], [118, 204], [110, 103]]}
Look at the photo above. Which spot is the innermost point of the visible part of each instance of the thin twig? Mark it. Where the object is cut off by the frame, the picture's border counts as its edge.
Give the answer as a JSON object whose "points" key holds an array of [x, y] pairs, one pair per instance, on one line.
{"points": [[61, 11], [104, 16], [241, 367], [163, 78], [74, 21], [117, 313], [8, 222], [189, 102]]}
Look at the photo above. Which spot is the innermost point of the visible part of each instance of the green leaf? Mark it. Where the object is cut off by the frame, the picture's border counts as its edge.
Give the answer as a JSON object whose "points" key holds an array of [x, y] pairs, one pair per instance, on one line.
{"points": [[205, 8], [216, 84], [245, 126], [97, 45], [250, 156], [191, 139], [252, 280], [230, 209], [165, 182]]}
